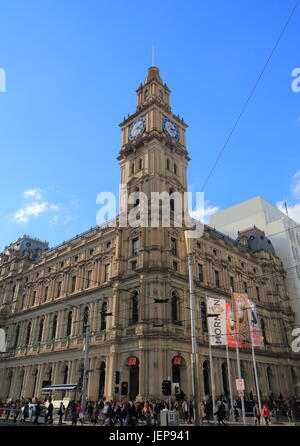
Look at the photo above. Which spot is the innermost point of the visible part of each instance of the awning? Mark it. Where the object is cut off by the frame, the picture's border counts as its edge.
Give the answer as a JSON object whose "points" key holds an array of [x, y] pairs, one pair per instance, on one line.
{"points": [[61, 387]]}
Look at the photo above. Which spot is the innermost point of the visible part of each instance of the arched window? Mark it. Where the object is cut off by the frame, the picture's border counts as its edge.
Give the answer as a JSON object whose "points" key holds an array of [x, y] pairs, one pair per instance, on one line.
{"points": [[243, 371], [270, 378], [17, 336], [137, 201], [85, 319], [225, 378], [203, 317], [172, 203], [135, 308], [174, 307], [146, 95], [54, 327], [103, 316], [41, 330], [28, 333], [206, 374], [66, 375], [69, 323], [102, 379]]}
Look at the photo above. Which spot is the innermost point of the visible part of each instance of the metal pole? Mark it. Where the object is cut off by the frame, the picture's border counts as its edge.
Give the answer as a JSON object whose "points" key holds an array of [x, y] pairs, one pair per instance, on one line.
{"points": [[85, 366], [197, 418], [229, 380], [212, 378], [238, 357], [254, 362]]}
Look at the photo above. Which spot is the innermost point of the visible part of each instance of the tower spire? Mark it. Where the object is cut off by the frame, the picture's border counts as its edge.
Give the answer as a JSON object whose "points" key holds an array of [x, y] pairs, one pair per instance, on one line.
{"points": [[153, 56]]}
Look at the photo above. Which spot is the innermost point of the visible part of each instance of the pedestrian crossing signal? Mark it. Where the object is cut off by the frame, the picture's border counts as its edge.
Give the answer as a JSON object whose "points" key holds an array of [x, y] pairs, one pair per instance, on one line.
{"points": [[166, 387], [124, 388]]}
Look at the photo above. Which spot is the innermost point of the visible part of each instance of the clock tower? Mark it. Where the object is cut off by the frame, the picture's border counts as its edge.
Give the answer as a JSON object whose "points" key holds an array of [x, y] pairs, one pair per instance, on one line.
{"points": [[153, 155]]}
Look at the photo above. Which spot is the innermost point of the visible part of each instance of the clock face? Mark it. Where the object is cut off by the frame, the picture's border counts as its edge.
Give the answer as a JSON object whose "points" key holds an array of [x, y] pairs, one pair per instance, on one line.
{"points": [[171, 128], [137, 128]]}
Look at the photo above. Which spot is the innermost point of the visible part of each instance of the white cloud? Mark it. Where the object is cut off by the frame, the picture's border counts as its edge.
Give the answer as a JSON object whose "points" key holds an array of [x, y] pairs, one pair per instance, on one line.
{"points": [[60, 220], [208, 211], [293, 211], [296, 185], [33, 210], [35, 194]]}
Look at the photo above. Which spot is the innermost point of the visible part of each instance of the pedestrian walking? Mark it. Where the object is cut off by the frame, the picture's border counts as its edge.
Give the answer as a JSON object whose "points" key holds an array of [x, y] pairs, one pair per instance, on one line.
{"points": [[221, 413], [265, 413], [37, 413], [256, 414], [61, 412], [49, 414]]}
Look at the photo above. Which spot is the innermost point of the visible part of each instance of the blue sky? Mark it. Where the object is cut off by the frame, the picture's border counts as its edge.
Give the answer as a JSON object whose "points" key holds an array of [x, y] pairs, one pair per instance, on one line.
{"points": [[72, 68]]}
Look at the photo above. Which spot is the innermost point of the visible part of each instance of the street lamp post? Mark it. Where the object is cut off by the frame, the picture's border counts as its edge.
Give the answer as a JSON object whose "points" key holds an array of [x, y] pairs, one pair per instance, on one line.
{"points": [[198, 420], [85, 366]]}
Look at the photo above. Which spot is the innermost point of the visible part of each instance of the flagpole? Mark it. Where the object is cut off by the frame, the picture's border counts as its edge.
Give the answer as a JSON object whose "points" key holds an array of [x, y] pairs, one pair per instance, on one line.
{"points": [[229, 379], [211, 367], [254, 362], [238, 354]]}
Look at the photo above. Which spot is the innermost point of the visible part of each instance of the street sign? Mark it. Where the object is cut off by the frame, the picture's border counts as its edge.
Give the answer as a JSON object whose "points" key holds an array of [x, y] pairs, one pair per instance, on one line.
{"points": [[240, 384]]}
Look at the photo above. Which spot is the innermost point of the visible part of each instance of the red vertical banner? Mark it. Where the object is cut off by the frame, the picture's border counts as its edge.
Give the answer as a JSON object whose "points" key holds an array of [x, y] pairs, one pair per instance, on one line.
{"points": [[237, 321]]}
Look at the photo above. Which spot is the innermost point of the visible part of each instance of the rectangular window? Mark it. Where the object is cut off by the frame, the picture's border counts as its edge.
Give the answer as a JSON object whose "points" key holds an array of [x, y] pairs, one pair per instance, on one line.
{"points": [[46, 293], [167, 164], [89, 279], [231, 283], [108, 245], [107, 273], [133, 265], [245, 287], [200, 272], [175, 266], [132, 168], [198, 245], [58, 289], [73, 284], [33, 297], [135, 246], [217, 279], [257, 293], [173, 246]]}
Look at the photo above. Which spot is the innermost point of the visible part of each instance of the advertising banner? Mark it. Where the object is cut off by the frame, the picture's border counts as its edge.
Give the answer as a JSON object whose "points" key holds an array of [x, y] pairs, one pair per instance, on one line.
{"points": [[216, 312], [257, 337], [237, 321]]}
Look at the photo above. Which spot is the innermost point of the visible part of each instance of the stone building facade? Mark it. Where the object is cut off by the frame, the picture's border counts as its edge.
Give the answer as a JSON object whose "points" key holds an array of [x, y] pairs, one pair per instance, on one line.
{"points": [[130, 287]]}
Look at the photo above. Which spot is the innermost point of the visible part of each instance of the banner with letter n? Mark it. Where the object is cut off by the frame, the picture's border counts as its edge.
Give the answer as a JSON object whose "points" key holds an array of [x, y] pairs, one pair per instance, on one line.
{"points": [[216, 315]]}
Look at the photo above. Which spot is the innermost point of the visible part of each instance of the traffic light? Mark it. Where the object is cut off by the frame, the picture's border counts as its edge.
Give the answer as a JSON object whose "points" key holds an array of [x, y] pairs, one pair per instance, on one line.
{"points": [[124, 388], [117, 377], [177, 393], [166, 387], [117, 389]]}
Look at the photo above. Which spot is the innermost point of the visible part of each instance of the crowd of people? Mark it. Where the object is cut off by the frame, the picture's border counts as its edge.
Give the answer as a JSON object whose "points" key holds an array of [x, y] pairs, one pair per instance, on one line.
{"points": [[132, 413]]}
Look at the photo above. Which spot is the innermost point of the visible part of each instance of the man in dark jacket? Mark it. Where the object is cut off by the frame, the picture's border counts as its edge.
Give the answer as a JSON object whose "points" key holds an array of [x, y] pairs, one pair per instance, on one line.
{"points": [[49, 413], [37, 413]]}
